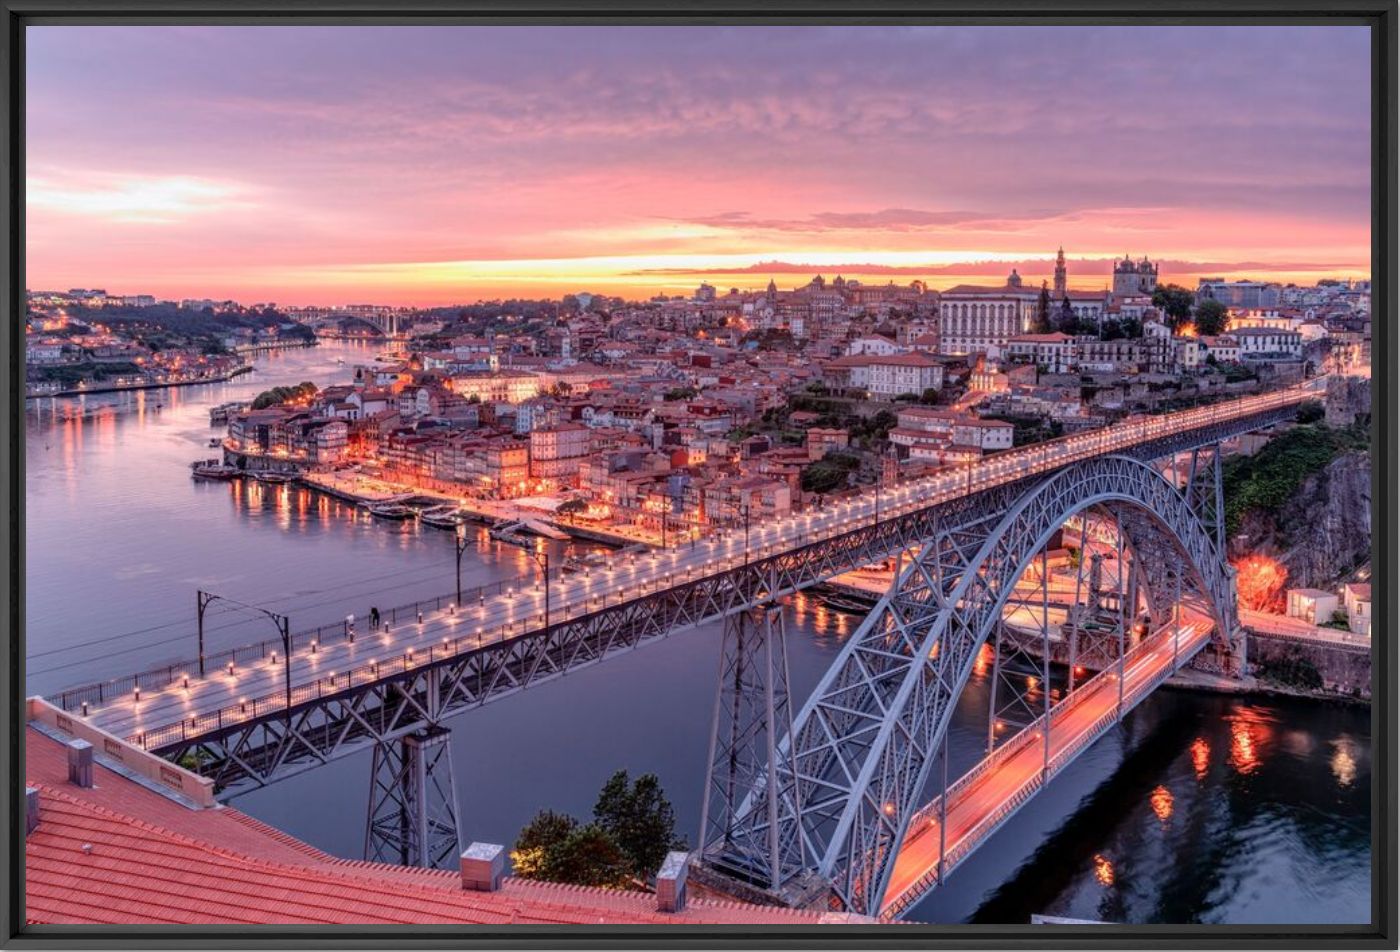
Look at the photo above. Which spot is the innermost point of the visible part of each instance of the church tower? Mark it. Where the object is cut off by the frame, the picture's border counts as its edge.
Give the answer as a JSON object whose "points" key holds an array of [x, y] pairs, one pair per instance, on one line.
{"points": [[1061, 275]]}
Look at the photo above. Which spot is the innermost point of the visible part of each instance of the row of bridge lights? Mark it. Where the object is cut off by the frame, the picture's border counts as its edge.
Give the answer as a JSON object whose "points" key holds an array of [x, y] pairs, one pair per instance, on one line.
{"points": [[766, 533]]}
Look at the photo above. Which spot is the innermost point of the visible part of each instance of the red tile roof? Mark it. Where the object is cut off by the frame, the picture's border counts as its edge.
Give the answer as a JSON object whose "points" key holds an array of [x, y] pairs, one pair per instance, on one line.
{"points": [[119, 852]]}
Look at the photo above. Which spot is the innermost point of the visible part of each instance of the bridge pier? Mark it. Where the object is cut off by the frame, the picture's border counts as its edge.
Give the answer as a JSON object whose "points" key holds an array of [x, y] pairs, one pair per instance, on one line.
{"points": [[413, 801], [752, 713], [412, 818]]}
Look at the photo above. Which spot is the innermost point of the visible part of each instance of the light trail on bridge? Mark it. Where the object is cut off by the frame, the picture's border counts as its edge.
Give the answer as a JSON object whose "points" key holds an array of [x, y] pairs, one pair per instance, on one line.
{"points": [[987, 796], [189, 706]]}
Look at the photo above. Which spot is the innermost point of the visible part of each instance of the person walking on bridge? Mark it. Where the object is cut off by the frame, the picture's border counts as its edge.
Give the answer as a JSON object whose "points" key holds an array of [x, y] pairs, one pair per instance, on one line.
{"points": [[373, 618]]}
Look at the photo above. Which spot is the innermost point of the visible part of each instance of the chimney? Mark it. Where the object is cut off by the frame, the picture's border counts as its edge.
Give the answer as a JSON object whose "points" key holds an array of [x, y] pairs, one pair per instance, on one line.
{"points": [[670, 882], [80, 763], [31, 809], [483, 864]]}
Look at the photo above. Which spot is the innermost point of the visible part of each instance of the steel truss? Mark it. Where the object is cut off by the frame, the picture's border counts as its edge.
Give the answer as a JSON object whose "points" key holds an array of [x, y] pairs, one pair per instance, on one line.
{"points": [[413, 801], [280, 743], [752, 711], [861, 747]]}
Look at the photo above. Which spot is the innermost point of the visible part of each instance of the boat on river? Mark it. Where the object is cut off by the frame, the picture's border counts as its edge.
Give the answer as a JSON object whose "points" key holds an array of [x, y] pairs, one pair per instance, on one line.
{"points": [[848, 604], [509, 532], [442, 517], [586, 561], [274, 477], [396, 511], [220, 415], [212, 469]]}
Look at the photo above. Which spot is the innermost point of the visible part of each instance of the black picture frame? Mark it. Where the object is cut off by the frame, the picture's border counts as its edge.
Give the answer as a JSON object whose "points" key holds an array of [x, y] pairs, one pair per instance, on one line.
{"points": [[1379, 15]]}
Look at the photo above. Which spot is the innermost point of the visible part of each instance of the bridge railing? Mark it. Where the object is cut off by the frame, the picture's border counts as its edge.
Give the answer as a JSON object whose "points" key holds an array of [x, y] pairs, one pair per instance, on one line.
{"points": [[992, 472], [162, 676], [969, 841], [358, 675]]}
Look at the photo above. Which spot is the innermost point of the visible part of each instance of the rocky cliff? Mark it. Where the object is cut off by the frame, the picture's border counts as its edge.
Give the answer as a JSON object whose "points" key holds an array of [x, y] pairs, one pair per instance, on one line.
{"points": [[1324, 533]]}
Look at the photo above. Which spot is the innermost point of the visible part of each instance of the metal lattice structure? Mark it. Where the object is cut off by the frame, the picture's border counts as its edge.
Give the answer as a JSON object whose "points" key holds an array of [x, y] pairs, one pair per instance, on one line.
{"points": [[752, 712], [413, 801], [851, 772], [260, 748]]}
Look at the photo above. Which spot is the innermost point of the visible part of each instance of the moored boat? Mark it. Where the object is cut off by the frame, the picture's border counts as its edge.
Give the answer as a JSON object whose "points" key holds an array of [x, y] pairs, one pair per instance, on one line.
{"points": [[589, 560], [391, 510], [509, 532], [442, 517], [851, 605], [212, 469], [274, 477]]}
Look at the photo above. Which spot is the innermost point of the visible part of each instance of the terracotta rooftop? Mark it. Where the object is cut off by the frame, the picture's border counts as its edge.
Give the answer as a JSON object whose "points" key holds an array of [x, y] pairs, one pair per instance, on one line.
{"points": [[120, 852]]}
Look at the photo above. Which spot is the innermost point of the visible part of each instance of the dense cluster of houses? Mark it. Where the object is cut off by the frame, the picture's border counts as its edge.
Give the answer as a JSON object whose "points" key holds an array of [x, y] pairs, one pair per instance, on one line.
{"points": [[653, 413]]}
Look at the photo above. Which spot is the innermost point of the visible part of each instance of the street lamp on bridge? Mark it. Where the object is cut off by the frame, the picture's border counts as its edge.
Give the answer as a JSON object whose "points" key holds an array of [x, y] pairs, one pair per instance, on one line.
{"points": [[541, 556], [283, 623], [459, 541]]}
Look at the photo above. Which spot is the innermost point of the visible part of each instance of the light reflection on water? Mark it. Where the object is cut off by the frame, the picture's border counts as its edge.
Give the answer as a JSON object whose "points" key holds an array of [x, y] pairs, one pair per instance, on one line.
{"points": [[1199, 808]]}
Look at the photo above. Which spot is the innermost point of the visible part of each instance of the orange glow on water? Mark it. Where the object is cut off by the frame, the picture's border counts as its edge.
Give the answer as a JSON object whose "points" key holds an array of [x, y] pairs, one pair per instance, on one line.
{"points": [[1242, 753], [984, 660], [1162, 802], [1103, 870], [1343, 762], [1249, 732], [1200, 757], [1260, 581]]}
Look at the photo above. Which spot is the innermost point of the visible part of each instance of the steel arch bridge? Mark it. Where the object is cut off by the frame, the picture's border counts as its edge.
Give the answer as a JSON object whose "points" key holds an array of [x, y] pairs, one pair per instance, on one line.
{"points": [[856, 759]]}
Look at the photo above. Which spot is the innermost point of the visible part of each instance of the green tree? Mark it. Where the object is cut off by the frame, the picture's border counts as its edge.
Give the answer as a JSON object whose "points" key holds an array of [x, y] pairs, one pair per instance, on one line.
{"points": [[828, 474], [1174, 301], [1066, 322], [537, 842], [588, 856], [1211, 317], [279, 395], [1110, 330], [640, 820], [1042, 311]]}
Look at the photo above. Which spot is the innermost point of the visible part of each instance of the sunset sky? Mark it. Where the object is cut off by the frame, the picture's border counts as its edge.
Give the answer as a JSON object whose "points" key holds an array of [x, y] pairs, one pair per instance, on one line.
{"points": [[450, 164]]}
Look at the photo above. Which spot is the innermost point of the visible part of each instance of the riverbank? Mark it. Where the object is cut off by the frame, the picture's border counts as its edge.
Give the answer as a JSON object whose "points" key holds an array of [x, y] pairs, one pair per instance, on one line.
{"points": [[83, 388], [269, 346]]}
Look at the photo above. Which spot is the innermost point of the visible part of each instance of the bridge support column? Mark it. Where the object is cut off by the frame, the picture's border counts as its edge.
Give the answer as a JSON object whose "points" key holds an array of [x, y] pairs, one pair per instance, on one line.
{"points": [[752, 713], [413, 801]]}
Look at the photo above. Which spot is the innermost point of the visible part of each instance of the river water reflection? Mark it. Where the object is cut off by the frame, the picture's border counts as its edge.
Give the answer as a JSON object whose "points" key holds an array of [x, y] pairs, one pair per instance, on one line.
{"points": [[1201, 808]]}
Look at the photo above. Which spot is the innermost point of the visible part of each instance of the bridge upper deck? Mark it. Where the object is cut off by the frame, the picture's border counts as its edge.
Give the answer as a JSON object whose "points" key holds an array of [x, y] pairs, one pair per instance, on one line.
{"points": [[189, 706]]}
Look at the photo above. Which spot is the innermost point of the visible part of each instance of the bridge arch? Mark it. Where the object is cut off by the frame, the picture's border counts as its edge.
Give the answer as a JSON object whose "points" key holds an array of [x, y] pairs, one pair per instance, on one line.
{"points": [[850, 774]]}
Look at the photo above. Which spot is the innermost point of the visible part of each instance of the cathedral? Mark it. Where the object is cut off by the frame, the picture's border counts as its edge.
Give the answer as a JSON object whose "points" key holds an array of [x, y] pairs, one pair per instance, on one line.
{"points": [[1134, 277]]}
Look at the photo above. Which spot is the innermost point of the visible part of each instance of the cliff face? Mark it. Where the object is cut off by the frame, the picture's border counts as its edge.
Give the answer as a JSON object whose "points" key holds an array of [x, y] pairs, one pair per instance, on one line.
{"points": [[1348, 398], [1325, 531]]}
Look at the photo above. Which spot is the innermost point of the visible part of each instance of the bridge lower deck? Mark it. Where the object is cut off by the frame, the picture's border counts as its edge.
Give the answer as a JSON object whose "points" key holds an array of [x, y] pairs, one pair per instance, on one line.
{"points": [[983, 799]]}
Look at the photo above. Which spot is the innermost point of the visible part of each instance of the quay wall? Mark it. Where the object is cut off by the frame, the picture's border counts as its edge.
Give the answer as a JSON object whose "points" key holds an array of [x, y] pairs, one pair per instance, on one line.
{"points": [[1345, 669]]}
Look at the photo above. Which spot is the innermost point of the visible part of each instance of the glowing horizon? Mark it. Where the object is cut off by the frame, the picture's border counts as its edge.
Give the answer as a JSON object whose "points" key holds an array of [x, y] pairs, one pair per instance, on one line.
{"points": [[435, 166]]}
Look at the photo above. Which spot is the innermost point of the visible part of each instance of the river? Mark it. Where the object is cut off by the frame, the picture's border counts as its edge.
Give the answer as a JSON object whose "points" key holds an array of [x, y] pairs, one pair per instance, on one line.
{"points": [[1200, 808]]}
